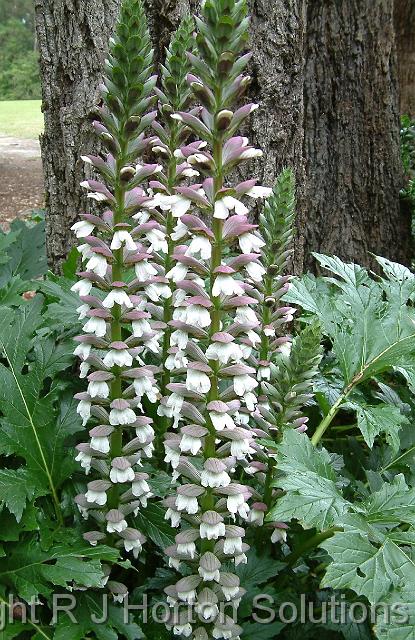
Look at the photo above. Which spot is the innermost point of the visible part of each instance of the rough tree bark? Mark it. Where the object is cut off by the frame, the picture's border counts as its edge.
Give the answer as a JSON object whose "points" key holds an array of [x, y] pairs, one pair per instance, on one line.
{"points": [[325, 75], [72, 39], [351, 145], [405, 38]]}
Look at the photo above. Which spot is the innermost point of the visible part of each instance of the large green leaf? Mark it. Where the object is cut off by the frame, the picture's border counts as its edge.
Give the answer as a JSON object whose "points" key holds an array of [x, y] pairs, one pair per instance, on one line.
{"points": [[152, 523], [26, 254], [30, 571], [17, 487], [313, 496], [378, 419], [90, 607]]}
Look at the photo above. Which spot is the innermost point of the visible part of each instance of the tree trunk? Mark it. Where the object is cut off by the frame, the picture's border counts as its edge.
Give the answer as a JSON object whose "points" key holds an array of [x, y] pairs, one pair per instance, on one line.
{"points": [[325, 76], [405, 38], [72, 41], [352, 149]]}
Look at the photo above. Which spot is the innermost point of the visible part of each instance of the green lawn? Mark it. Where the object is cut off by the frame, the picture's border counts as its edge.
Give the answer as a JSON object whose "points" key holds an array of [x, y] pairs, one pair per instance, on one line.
{"points": [[21, 118]]}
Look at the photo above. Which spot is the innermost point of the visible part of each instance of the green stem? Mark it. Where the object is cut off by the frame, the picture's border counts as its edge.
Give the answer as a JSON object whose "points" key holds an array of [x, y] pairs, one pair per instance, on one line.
{"points": [[324, 425], [310, 544]]}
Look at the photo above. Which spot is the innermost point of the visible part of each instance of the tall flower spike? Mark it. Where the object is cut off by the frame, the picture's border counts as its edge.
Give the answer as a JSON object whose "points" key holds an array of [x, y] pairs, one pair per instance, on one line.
{"points": [[119, 332], [285, 369], [214, 333], [174, 95]]}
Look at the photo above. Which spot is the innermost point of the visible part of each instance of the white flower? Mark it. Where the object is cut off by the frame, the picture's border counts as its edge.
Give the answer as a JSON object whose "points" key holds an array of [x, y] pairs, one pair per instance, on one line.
{"points": [[140, 487], [83, 228], [243, 384], [225, 284], [133, 545], [232, 545], [279, 535], [202, 245], [241, 559], [84, 369], [251, 401], [214, 480], [227, 204], [180, 231], [257, 516], [188, 504], [175, 403], [144, 271], [190, 443], [140, 327], [98, 389], [120, 357], [208, 611], [212, 531], [83, 311], [82, 287], [236, 504], [117, 296], [183, 630], [172, 456], [240, 449], [98, 264], [209, 575], [187, 549], [246, 315], [100, 443], [120, 476], [196, 315], [264, 373], [230, 593], [224, 352], [157, 290], [197, 381], [99, 497], [97, 326], [187, 596], [251, 153], [259, 192], [255, 271], [221, 420], [85, 461], [174, 517], [177, 204], [84, 410], [83, 350], [176, 360], [123, 237], [178, 272], [117, 527], [122, 416], [144, 433], [157, 240], [180, 338], [250, 243], [85, 250]]}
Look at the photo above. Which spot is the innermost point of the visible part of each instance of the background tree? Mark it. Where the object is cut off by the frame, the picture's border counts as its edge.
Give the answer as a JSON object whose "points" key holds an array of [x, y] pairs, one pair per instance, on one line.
{"points": [[405, 38], [326, 74]]}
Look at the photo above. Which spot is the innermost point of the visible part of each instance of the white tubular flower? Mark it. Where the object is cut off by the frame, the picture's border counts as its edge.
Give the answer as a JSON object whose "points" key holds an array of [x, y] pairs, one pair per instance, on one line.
{"points": [[117, 296], [259, 192], [280, 533], [121, 238], [177, 204], [83, 351], [98, 264], [244, 384], [209, 567], [197, 378], [177, 273], [257, 514], [246, 315], [225, 284], [84, 457], [212, 526], [82, 229], [233, 543], [100, 438], [255, 271], [157, 291], [121, 471], [84, 410], [140, 486], [224, 349], [236, 505], [83, 311], [144, 270], [192, 439], [118, 355], [98, 389], [227, 204], [115, 521], [140, 327], [214, 474], [200, 245], [157, 241], [250, 243], [97, 492], [121, 413], [220, 416], [187, 498], [195, 314], [180, 339], [133, 541], [176, 360], [96, 325], [82, 287]]}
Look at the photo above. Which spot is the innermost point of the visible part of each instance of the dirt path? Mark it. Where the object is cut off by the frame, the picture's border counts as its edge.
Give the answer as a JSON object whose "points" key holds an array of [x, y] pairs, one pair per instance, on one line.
{"points": [[21, 180]]}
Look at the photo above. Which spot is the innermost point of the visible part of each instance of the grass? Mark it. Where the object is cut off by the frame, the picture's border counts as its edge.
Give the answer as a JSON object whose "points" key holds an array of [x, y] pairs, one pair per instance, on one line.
{"points": [[21, 118]]}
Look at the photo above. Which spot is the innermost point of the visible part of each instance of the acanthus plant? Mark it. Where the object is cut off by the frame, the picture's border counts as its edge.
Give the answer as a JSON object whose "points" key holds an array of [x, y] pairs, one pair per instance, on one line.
{"points": [[181, 299]]}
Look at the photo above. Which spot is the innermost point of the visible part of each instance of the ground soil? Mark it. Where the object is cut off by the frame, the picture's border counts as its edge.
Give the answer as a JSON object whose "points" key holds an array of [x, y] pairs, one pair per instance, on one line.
{"points": [[21, 179]]}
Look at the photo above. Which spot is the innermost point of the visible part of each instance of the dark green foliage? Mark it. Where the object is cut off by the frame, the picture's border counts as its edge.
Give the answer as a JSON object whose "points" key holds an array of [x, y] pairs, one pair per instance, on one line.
{"points": [[19, 69]]}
